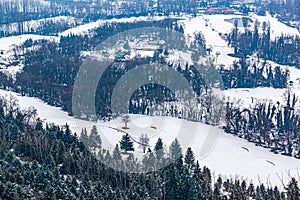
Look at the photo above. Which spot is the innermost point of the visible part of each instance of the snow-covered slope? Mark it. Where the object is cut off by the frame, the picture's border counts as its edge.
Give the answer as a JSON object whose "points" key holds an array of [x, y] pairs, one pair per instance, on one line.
{"points": [[11, 58], [83, 29], [277, 28], [214, 27], [213, 39], [229, 156], [33, 25]]}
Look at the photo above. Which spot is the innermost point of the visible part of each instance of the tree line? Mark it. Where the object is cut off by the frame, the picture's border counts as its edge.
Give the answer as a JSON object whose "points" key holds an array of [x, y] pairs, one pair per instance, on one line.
{"points": [[248, 74], [50, 162], [269, 124], [283, 49]]}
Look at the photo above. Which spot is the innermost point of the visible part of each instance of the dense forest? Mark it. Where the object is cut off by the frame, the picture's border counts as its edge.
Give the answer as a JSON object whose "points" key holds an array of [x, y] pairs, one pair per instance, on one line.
{"points": [[249, 74], [49, 72], [286, 10], [20, 11], [283, 50], [50, 162], [16, 16]]}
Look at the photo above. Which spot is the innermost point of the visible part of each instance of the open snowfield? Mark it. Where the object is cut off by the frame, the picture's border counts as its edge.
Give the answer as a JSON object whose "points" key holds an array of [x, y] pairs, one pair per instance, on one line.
{"points": [[251, 95], [7, 43], [224, 154], [277, 28]]}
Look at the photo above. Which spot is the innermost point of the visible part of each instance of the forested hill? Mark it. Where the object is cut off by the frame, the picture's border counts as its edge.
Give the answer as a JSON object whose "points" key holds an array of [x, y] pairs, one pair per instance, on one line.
{"points": [[52, 163]]}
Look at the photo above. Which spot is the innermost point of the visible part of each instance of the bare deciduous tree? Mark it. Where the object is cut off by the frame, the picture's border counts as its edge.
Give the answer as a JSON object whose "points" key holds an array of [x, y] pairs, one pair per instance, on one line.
{"points": [[125, 119]]}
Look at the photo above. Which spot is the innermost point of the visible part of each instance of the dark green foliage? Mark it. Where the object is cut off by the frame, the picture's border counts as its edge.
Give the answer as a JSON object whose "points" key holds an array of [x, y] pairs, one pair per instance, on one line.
{"points": [[126, 143], [282, 50], [51, 163], [159, 149], [175, 151], [244, 74], [189, 159], [95, 140], [293, 192]]}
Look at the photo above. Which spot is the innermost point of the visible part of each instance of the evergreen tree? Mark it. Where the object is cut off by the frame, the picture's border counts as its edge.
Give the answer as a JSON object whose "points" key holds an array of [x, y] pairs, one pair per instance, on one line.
{"points": [[159, 149], [126, 143], [175, 150], [94, 139], [189, 159], [293, 191], [84, 137]]}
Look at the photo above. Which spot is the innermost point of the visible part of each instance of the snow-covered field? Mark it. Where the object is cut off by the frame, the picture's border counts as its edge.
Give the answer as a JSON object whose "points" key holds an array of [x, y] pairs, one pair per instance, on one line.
{"points": [[251, 95], [277, 28], [224, 154], [212, 37]]}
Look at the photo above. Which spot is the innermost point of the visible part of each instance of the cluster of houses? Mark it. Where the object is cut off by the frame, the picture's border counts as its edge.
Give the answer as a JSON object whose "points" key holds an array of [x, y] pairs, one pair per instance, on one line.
{"points": [[213, 11]]}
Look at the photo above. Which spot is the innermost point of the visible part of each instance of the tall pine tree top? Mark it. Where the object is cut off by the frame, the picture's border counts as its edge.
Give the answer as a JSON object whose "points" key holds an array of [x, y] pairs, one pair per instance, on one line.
{"points": [[126, 143]]}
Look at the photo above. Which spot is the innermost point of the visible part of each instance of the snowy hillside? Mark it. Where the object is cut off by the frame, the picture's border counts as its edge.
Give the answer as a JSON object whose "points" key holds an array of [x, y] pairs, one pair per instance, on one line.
{"points": [[214, 27], [83, 29], [11, 57], [34, 25], [251, 95], [228, 156]]}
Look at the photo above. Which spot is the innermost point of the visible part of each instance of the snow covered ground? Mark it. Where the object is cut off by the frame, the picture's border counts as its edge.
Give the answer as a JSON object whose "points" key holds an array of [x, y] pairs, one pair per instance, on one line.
{"points": [[33, 25], [214, 27], [251, 95], [11, 58], [85, 28], [277, 28], [224, 154], [213, 39]]}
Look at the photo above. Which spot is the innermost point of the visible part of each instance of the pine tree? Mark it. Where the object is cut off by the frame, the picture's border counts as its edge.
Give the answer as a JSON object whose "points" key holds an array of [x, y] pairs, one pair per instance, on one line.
{"points": [[84, 137], [116, 154], [189, 159], [159, 149], [94, 139], [126, 143], [293, 191], [175, 150]]}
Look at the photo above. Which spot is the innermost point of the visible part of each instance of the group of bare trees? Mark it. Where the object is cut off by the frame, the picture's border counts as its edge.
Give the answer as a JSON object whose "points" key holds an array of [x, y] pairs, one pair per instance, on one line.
{"points": [[273, 125]]}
